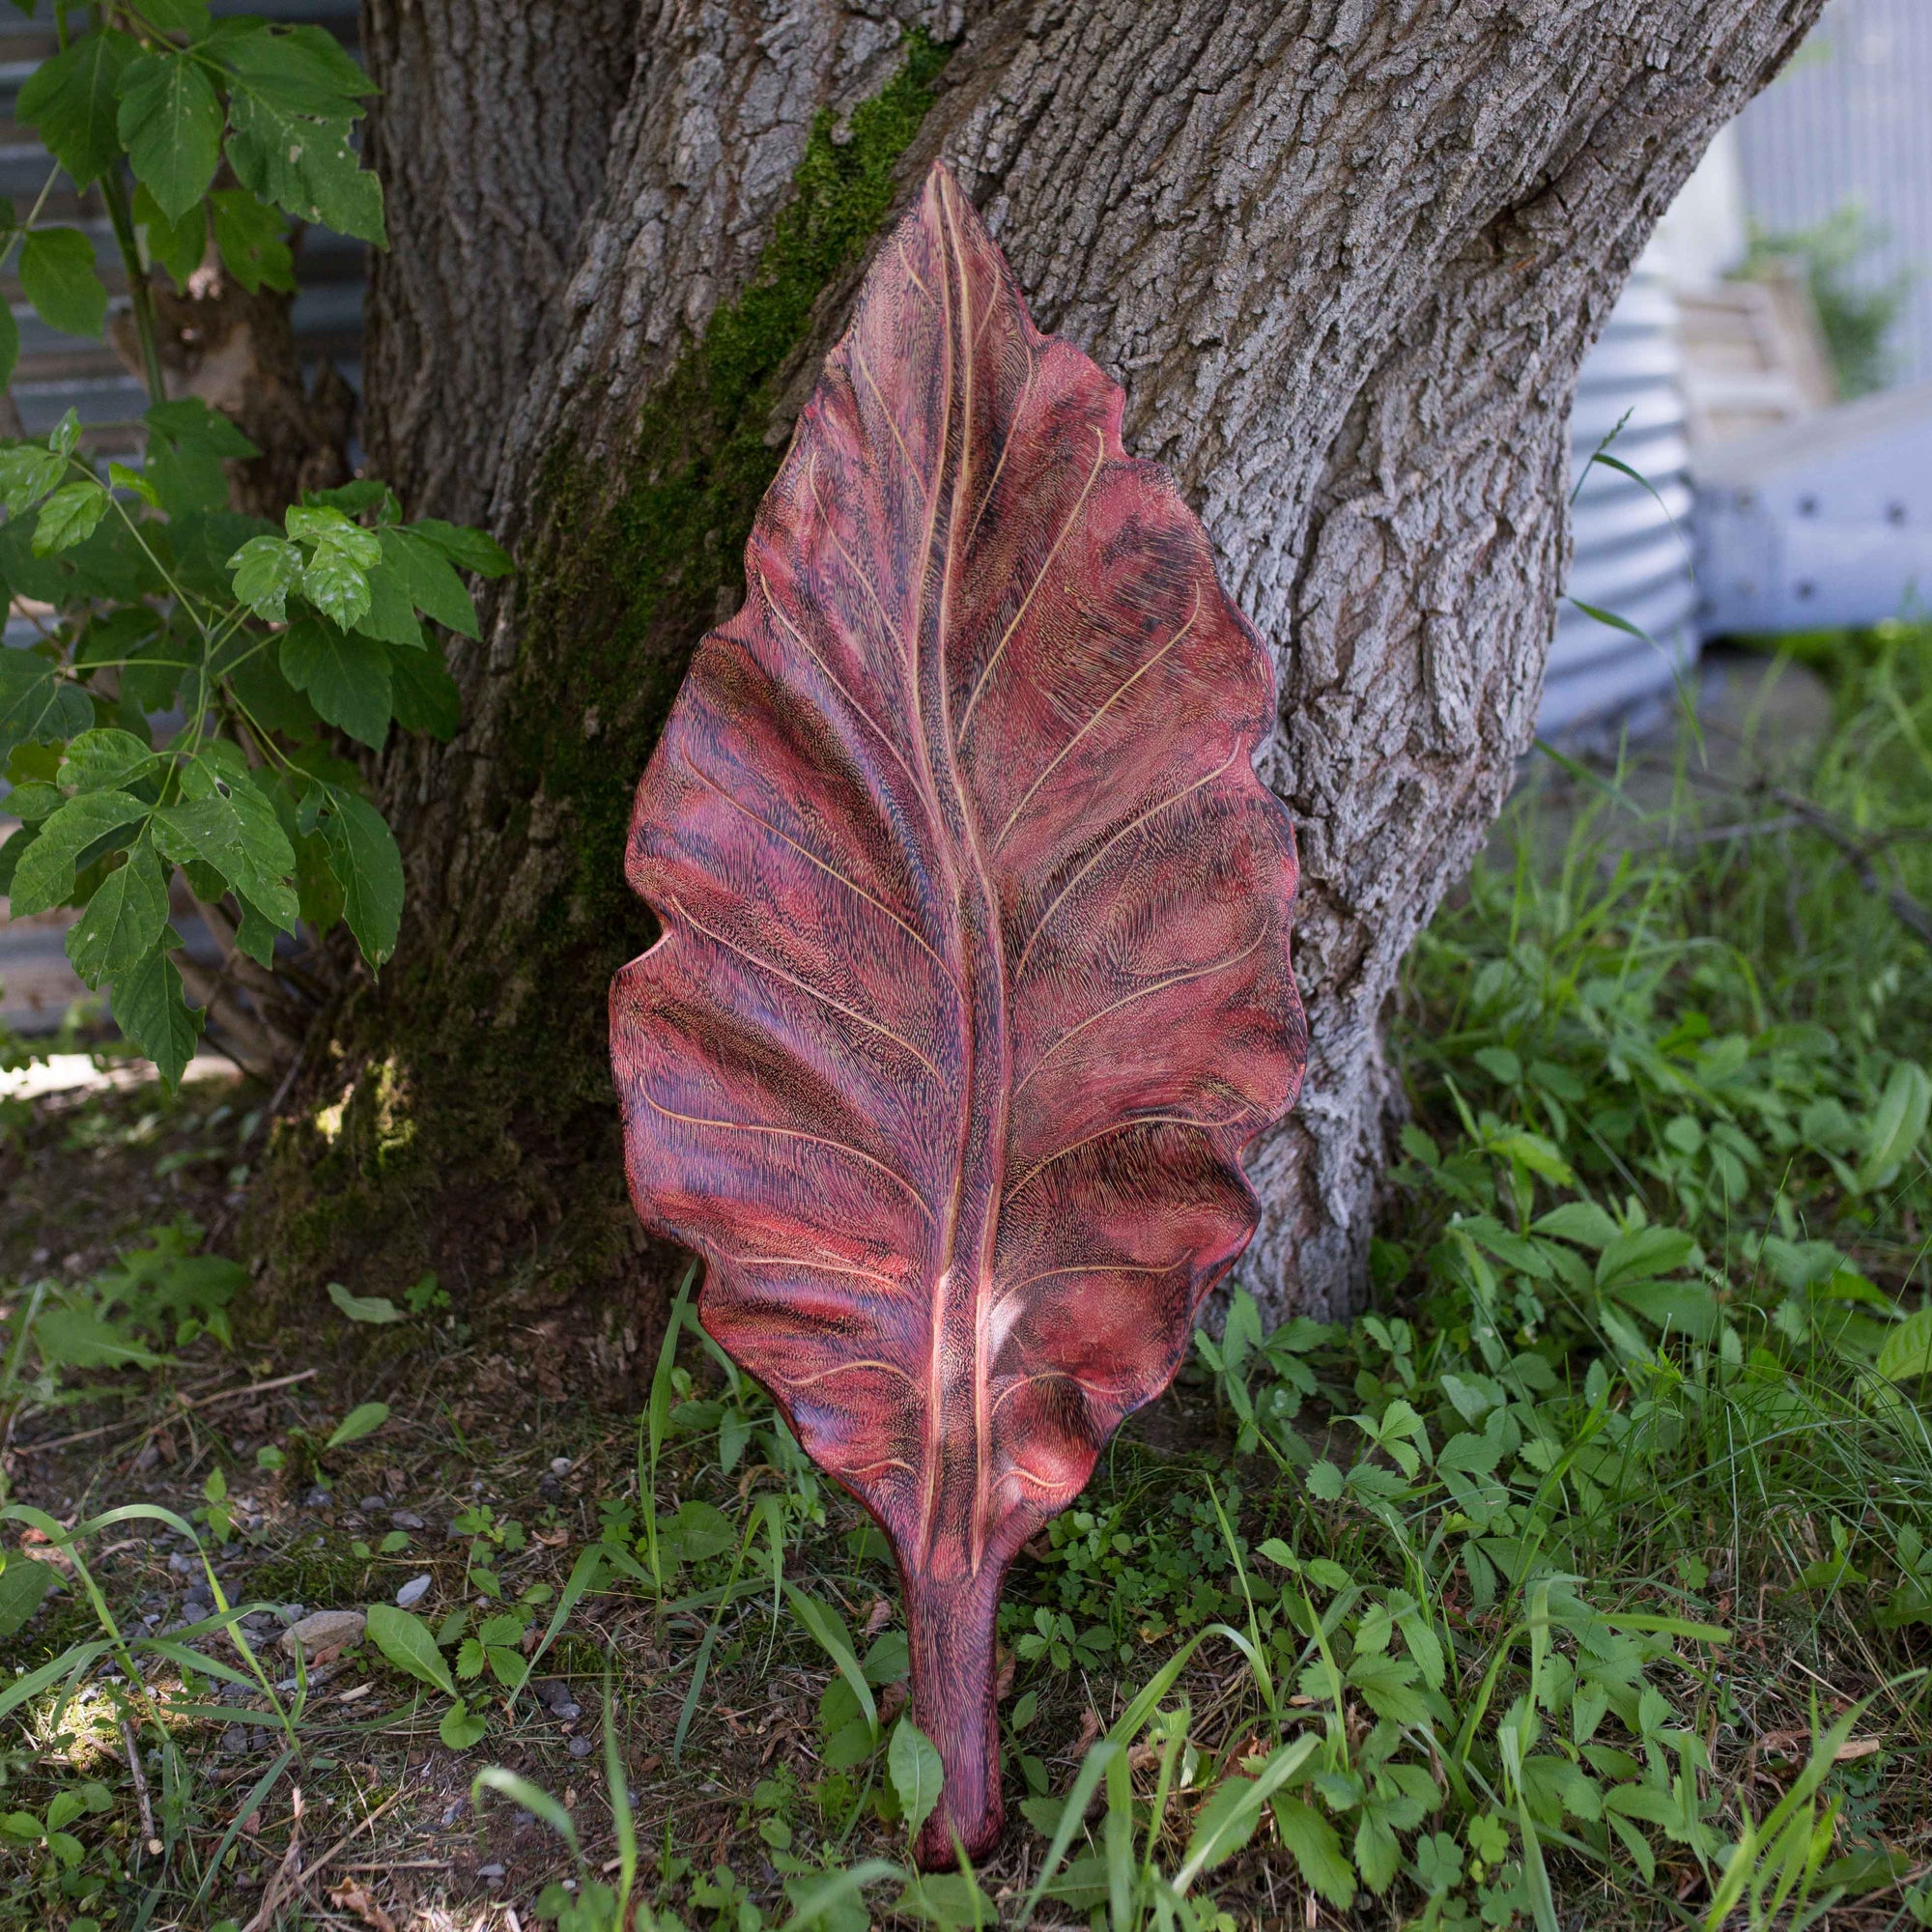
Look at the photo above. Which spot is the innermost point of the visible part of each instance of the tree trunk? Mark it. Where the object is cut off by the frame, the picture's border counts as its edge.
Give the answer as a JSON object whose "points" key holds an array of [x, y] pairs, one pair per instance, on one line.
{"points": [[1346, 257]]}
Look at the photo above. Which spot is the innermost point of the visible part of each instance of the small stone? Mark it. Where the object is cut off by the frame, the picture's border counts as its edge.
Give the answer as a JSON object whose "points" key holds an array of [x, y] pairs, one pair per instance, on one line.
{"points": [[413, 1592], [522, 1818], [181, 1566], [196, 1608], [405, 1520], [373, 1503], [561, 1465], [581, 1747], [293, 1613], [234, 1738], [317, 1498], [490, 1873], [325, 1630], [452, 1814]]}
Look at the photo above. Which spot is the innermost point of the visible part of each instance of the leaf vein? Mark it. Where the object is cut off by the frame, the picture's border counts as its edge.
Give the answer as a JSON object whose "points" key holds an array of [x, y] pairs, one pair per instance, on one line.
{"points": [[806, 987], [892, 1173], [1119, 692]]}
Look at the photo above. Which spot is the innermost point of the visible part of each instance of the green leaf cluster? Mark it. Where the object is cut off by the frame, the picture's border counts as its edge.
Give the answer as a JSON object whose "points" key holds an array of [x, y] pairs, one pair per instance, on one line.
{"points": [[176, 727], [163, 95]]}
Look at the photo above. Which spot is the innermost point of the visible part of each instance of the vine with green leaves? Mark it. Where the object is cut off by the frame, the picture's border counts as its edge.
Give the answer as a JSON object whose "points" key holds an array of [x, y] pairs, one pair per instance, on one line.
{"points": [[189, 708]]}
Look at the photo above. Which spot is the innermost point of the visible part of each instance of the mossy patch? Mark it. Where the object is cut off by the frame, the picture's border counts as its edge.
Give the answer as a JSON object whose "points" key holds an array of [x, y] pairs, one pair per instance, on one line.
{"points": [[670, 548], [465, 1120]]}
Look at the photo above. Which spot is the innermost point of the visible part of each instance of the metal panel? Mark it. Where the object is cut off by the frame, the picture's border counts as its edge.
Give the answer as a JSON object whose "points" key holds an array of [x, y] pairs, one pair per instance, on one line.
{"points": [[1827, 521], [1632, 551], [1847, 122]]}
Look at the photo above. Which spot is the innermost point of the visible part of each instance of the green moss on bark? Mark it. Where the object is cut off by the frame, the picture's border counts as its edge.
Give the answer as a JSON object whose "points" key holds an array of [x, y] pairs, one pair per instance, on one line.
{"points": [[671, 545], [465, 1120]]}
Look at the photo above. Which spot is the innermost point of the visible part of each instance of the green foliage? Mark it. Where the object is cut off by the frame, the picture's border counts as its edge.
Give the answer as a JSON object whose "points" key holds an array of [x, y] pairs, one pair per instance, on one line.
{"points": [[149, 1685], [154, 1299], [173, 92], [164, 599], [1855, 315], [364, 1419], [1456, 1638]]}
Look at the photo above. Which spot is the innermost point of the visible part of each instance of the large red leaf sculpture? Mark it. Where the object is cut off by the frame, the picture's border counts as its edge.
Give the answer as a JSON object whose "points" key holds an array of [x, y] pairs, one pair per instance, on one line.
{"points": [[974, 980]]}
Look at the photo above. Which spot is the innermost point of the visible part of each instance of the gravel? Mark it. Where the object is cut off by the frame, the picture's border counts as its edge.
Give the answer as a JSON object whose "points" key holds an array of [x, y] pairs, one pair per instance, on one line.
{"points": [[414, 1591]]}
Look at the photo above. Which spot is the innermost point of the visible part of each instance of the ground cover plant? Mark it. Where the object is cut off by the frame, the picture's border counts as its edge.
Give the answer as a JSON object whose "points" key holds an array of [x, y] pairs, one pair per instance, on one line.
{"points": [[1587, 1579]]}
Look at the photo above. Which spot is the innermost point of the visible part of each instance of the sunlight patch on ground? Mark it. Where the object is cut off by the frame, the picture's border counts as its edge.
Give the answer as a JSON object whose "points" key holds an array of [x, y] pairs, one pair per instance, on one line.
{"points": [[66, 1073]]}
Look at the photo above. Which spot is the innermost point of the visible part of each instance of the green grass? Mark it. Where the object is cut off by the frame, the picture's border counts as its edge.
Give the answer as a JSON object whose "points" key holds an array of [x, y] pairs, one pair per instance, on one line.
{"points": [[1584, 1579]]}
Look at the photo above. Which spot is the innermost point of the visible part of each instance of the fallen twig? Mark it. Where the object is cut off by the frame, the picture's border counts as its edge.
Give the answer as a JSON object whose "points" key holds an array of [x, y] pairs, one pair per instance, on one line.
{"points": [[285, 1875], [139, 1775], [252, 1388], [1909, 911], [181, 1409], [1717, 833], [353, 1832]]}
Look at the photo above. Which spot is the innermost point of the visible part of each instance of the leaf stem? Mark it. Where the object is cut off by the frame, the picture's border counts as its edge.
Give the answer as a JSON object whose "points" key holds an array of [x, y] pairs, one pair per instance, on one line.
{"points": [[114, 191], [166, 576]]}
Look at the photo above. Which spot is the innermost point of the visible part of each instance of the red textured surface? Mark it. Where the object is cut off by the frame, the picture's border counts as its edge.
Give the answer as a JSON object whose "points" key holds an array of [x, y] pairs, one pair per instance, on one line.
{"points": [[974, 979]]}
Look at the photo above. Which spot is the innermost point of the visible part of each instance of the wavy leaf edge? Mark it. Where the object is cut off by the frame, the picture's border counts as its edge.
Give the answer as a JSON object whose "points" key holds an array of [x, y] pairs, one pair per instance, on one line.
{"points": [[973, 982]]}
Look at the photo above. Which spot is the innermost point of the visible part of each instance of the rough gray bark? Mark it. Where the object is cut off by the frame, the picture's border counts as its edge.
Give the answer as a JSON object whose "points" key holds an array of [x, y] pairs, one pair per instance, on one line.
{"points": [[491, 139], [1346, 257]]}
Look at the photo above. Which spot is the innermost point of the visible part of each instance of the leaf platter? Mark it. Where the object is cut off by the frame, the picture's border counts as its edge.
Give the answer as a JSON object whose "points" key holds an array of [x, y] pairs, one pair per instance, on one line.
{"points": [[973, 976]]}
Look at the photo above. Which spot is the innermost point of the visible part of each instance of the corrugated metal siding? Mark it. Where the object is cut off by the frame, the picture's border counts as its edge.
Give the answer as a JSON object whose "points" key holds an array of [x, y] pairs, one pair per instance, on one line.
{"points": [[1851, 120], [1630, 557]]}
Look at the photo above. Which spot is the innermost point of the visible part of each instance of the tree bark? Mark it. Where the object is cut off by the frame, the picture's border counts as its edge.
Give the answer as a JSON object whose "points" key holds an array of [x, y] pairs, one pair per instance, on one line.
{"points": [[1346, 259]]}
